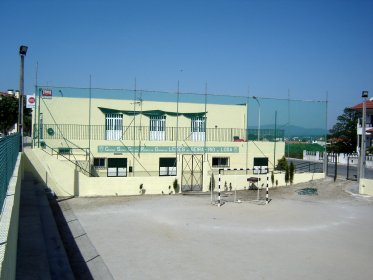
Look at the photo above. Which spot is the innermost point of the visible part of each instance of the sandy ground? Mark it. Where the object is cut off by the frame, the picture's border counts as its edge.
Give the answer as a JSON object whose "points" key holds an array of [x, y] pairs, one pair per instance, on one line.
{"points": [[328, 236]]}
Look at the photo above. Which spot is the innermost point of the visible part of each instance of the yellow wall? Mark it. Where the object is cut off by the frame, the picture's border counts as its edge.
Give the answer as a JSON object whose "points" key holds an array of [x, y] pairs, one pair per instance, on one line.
{"points": [[76, 111], [79, 184]]}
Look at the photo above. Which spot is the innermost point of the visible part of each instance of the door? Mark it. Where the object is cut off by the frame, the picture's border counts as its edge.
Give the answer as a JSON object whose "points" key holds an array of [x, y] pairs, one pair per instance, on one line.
{"points": [[114, 126], [157, 128], [192, 173]]}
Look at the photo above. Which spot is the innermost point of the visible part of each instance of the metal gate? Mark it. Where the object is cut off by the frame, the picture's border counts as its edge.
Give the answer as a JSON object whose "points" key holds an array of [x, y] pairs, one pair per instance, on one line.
{"points": [[192, 173]]}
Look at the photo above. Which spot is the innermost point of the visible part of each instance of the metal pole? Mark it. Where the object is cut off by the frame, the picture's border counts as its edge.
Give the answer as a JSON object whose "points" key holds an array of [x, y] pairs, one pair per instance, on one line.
{"points": [[363, 140], [274, 148], [177, 128], [256, 99], [204, 128], [20, 108], [335, 166], [89, 126]]}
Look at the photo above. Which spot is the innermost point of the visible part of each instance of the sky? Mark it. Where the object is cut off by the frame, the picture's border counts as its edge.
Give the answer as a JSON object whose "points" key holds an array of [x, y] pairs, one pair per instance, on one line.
{"points": [[302, 49]]}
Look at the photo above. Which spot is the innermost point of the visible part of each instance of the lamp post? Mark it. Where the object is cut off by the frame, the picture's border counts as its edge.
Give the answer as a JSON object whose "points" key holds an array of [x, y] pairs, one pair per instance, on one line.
{"points": [[22, 53], [364, 95], [257, 100]]}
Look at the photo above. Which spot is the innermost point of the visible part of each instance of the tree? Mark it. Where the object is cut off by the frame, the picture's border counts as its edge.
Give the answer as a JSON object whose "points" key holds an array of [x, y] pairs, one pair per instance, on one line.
{"points": [[343, 135], [287, 174], [291, 172], [9, 114], [282, 163]]}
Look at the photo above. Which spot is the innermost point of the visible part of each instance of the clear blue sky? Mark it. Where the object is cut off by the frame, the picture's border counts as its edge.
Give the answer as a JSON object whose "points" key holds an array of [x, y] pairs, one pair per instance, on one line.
{"points": [[269, 47]]}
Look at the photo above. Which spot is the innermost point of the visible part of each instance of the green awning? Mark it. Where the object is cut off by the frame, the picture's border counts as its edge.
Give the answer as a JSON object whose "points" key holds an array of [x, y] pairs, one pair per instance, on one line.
{"points": [[150, 113]]}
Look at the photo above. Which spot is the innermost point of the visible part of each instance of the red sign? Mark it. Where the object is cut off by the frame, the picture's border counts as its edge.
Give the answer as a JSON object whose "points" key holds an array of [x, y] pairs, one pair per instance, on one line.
{"points": [[46, 93]]}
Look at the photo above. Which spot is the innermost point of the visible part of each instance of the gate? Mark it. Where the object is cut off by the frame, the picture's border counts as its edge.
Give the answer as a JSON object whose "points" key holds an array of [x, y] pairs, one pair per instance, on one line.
{"points": [[192, 173]]}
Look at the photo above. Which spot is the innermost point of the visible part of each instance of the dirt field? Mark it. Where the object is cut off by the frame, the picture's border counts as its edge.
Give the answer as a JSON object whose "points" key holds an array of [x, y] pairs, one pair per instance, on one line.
{"points": [[324, 236]]}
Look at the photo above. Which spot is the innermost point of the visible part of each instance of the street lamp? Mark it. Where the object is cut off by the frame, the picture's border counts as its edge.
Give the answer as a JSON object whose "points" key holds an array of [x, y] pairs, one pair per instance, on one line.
{"points": [[364, 95], [257, 100], [22, 53]]}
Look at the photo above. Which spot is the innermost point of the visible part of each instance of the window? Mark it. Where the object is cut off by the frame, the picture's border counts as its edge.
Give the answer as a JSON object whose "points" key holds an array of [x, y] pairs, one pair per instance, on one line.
{"points": [[117, 167], [114, 126], [198, 126], [260, 165], [167, 166], [99, 163], [220, 162], [157, 128]]}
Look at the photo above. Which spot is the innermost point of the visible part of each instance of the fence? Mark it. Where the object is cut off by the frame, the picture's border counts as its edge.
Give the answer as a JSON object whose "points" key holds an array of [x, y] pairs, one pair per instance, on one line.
{"points": [[9, 149], [71, 113]]}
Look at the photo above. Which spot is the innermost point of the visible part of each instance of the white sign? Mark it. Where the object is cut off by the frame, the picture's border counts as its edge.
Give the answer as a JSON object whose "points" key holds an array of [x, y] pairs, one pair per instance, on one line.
{"points": [[30, 101]]}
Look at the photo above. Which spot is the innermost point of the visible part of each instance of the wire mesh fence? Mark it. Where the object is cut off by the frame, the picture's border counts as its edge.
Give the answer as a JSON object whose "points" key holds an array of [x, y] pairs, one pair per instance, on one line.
{"points": [[263, 119], [9, 148]]}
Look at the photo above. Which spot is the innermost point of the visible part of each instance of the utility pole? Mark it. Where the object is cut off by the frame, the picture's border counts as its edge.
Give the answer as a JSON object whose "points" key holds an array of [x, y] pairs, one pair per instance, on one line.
{"points": [[364, 95], [22, 53]]}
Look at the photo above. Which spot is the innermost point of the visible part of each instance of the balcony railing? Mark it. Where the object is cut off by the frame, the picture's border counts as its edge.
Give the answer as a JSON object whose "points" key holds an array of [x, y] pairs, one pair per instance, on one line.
{"points": [[99, 132]]}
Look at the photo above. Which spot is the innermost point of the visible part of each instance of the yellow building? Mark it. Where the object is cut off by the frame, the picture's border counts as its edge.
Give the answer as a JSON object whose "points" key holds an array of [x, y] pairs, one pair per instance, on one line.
{"points": [[135, 138]]}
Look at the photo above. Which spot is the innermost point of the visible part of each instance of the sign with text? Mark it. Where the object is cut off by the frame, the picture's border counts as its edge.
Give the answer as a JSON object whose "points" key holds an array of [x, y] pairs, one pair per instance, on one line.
{"points": [[165, 149], [46, 93]]}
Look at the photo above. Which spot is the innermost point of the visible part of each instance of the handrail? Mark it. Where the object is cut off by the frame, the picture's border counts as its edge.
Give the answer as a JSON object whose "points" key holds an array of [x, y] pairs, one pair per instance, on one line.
{"points": [[67, 158]]}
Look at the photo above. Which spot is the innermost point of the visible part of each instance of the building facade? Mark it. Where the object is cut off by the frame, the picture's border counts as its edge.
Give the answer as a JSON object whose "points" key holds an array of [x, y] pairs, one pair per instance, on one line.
{"points": [[138, 138]]}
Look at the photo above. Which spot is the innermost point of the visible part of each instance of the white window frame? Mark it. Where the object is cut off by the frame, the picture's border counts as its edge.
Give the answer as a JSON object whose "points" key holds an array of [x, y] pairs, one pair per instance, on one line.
{"points": [[113, 126], [198, 127], [167, 170], [157, 128]]}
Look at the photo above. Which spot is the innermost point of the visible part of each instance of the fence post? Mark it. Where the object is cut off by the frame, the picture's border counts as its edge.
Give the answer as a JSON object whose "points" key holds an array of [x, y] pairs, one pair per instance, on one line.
{"points": [[335, 167]]}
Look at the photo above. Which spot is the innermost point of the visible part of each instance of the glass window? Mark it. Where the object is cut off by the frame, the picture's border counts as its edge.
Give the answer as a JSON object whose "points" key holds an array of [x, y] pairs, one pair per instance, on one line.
{"points": [[99, 162], [220, 162], [167, 166]]}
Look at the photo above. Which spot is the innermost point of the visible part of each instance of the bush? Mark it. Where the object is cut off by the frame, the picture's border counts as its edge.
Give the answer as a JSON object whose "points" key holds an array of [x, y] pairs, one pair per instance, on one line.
{"points": [[282, 163], [291, 173]]}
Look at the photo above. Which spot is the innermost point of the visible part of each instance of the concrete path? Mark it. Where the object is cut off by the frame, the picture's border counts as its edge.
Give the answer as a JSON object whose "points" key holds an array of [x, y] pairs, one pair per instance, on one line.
{"points": [[51, 242], [40, 253]]}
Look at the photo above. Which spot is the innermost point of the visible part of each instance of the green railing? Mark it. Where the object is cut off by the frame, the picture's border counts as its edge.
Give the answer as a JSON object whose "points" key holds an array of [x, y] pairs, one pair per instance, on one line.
{"points": [[9, 149], [98, 132]]}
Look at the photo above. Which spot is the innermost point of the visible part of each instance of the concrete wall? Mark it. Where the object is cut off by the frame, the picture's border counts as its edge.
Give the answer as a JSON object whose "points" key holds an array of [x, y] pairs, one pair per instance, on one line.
{"points": [[366, 187], [9, 225], [64, 180]]}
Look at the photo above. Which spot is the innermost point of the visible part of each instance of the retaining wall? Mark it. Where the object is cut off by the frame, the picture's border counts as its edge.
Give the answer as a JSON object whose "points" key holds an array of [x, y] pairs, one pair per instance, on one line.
{"points": [[9, 224]]}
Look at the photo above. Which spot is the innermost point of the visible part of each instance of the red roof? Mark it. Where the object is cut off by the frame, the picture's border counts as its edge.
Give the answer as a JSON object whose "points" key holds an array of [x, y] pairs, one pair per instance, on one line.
{"points": [[369, 105]]}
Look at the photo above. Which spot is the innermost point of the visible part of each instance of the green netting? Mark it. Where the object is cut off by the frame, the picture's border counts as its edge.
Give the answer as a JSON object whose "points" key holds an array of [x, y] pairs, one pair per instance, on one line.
{"points": [[266, 119], [149, 113]]}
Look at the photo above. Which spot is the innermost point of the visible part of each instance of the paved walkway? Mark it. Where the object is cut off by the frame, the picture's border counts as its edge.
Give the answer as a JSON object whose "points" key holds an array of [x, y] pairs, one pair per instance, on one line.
{"points": [[40, 252], [51, 242]]}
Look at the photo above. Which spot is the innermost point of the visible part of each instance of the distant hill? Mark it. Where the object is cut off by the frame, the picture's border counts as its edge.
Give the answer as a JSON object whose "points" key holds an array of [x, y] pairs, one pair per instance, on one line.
{"points": [[294, 131]]}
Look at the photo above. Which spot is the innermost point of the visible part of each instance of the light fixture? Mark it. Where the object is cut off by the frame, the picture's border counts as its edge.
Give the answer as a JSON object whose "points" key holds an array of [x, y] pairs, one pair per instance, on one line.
{"points": [[364, 94], [23, 50]]}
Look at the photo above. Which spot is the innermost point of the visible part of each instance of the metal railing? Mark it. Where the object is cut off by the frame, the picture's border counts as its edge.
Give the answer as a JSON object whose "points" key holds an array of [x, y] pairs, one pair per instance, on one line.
{"points": [[99, 132], [72, 155], [9, 149]]}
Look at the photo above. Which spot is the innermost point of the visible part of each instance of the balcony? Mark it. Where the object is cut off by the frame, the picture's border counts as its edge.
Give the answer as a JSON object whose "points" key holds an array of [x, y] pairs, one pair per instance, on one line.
{"points": [[143, 133]]}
